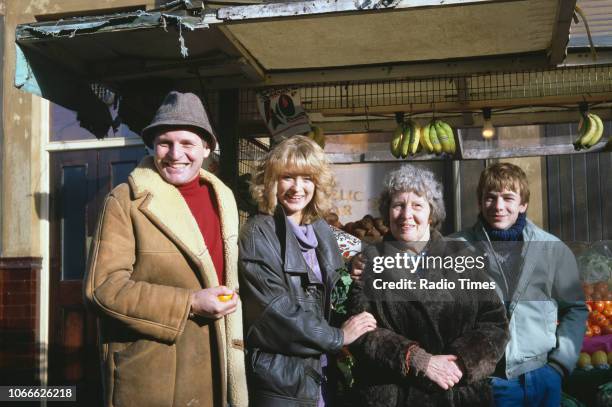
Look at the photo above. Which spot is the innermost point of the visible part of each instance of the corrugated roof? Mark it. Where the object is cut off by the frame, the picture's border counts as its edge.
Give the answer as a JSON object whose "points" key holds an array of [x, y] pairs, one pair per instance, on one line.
{"points": [[599, 18]]}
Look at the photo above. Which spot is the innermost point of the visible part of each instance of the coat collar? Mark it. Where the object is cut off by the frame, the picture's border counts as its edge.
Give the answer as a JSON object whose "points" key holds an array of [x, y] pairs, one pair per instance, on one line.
{"points": [[327, 250], [165, 206], [527, 266]]}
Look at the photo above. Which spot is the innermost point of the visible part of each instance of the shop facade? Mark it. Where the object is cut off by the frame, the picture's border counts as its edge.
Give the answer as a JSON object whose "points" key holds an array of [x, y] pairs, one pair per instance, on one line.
{"points": [[95, 62]]}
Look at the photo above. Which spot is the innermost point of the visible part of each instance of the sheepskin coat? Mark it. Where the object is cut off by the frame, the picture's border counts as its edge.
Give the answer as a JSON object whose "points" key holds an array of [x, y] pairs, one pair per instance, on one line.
{"points": [[458, 322], [148, 256]]}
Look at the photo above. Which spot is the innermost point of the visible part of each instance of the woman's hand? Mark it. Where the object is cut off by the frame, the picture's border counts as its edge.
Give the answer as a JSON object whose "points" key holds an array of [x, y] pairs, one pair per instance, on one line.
{"points": [[358, 263], [443, 371], [358, 325]]}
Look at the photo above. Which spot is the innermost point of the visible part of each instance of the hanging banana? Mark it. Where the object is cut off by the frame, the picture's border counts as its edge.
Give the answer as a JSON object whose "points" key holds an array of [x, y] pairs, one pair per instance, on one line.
{"points": [[425, 141], [451, 136], [433, 137], [396, 141], [415, 136], [442, 137], [406, 141], [598, 134], [590, 131]]}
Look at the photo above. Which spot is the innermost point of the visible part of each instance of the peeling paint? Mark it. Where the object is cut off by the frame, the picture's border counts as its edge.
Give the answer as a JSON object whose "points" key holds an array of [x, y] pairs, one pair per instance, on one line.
{"points": [[16, 118], [139, 19]]}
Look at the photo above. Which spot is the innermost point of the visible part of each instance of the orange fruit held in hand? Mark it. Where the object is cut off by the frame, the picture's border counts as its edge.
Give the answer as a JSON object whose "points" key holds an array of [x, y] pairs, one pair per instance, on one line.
{"points": [[225, 297], [589, 332], [596, 330]]}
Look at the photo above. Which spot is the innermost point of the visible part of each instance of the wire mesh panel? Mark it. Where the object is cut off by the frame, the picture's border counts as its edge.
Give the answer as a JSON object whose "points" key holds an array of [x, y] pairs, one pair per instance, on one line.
{"points": [[250, 153], [450, 92]]}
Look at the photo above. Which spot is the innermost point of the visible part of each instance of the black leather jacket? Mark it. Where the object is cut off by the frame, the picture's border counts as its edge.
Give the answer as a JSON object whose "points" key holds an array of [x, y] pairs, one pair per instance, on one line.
{"points": [[286, 311]]}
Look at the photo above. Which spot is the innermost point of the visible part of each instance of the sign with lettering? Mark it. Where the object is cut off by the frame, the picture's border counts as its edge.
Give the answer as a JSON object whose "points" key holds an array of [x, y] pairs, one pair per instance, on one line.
{"points": [[358, 187]]}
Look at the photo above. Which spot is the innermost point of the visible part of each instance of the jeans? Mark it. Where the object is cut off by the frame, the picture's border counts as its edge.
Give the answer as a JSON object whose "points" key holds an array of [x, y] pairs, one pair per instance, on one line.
{"points": [[538, 388]]}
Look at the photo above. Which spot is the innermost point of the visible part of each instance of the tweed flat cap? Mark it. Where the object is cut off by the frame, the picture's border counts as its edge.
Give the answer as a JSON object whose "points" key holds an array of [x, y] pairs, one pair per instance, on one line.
{"points": [[183, 111]]}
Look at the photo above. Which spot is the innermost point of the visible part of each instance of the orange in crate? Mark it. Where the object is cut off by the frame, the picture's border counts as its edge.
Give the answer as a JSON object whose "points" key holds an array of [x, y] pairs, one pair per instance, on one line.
{"points": [[596, 330]]}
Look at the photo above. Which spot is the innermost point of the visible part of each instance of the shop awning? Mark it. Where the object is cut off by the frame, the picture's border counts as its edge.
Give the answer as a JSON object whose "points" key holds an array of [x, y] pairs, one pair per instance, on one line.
{"points": [[143, 53]]}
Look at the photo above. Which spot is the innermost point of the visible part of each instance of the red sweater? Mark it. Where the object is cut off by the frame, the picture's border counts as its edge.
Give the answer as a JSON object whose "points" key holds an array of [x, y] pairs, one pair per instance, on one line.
{"points": [[203, 205]]}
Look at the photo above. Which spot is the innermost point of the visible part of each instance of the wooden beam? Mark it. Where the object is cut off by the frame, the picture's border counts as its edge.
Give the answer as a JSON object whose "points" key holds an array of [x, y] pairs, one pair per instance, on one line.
{"points": [[417, 108], [505, 63], [560, 36]]}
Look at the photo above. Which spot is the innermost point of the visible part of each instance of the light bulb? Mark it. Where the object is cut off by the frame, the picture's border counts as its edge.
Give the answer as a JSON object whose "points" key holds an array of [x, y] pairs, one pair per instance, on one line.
{"points": [[488, 131]]}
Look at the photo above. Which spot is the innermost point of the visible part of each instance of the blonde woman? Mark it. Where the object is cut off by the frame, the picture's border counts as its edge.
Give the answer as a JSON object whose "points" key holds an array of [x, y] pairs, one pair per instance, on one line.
{"points": [[288, 264]]}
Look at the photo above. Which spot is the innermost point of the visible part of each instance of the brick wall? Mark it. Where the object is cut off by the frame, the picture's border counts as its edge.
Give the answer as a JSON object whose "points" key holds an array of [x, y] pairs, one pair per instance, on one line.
{"points": [[19, 313]]}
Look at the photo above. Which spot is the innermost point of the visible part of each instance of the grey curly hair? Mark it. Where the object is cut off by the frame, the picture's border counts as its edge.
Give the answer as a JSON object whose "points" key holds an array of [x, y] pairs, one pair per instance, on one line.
{"points": [[410, 178]]}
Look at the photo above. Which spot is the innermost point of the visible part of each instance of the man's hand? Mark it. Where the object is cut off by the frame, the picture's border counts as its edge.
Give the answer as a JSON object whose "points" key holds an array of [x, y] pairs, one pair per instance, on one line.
{"points": [[206, 302], [444, 371], [357, 325], [358, 263]]}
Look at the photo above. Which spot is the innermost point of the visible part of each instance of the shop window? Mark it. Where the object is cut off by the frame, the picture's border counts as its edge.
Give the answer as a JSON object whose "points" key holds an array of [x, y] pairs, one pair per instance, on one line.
{"points": [[73, 218]]}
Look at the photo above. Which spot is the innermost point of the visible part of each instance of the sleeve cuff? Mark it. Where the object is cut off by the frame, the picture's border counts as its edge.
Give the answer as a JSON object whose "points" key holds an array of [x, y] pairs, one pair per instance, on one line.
{"points": [[417, 360]]}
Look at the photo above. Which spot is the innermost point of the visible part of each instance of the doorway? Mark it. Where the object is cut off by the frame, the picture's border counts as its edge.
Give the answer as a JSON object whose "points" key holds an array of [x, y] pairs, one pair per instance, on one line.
{"points": [[79, 182]]}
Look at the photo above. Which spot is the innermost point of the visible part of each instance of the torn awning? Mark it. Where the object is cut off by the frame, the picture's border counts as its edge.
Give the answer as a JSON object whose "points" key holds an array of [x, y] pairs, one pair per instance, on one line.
{"points": [[268, 44]]}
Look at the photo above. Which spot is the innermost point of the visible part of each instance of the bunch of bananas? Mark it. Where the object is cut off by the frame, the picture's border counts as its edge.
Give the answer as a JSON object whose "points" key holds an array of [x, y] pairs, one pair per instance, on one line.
{"points": [[435, 138], [316, 134], [405, 139], [590, 130]]}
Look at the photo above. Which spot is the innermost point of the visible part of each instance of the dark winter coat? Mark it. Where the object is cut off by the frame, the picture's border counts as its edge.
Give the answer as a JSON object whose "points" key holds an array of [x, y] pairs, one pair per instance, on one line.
{"points": [[471, 325]]}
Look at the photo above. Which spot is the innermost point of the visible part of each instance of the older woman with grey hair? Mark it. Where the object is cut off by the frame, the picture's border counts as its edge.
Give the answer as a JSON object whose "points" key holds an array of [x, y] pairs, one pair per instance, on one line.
{"points": [[433, 345]]}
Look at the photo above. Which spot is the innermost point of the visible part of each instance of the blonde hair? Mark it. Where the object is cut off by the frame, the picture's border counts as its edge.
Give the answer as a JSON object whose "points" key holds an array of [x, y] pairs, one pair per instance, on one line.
{"points": [[295, 155]]}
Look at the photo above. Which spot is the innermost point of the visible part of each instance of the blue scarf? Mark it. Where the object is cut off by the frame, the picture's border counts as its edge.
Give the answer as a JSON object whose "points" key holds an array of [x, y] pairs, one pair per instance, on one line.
{"points": [[513, 234]]}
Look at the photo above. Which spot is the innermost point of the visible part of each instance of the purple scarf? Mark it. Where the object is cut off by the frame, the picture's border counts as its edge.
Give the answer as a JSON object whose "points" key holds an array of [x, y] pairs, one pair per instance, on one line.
{"points": [[307, 240]]}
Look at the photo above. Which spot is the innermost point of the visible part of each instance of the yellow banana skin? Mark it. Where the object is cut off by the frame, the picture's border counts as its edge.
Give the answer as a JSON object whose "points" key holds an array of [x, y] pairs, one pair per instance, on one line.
{"points": [[442, 137], [433, 137], [425, 142], [451, 136], [396, 141], [406, 141], [598, 133], [587, 128], [415, 134]]}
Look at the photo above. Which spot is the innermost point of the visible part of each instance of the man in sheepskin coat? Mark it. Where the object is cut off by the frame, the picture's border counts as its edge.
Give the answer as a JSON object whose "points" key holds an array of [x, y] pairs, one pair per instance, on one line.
{"points": [[162, 273]]}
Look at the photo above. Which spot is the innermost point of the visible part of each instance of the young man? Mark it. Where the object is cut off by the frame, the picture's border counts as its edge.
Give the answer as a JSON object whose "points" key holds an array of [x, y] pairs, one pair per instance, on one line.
{"points": [[163, 273], [537, 277]]}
